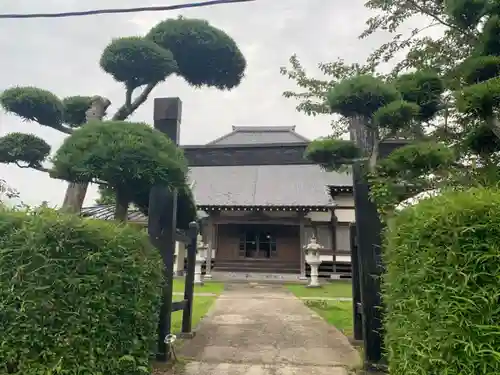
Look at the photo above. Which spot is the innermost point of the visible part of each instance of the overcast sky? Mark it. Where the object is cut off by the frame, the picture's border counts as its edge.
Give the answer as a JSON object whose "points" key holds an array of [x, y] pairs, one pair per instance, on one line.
{"points": [[62, 55]]}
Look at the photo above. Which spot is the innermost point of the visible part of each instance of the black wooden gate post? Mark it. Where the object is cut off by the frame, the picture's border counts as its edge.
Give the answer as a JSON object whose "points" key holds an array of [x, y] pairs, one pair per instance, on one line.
{"points": [[356, 290], [187, 313], [368, 233], [162, 219], [368, 229]]}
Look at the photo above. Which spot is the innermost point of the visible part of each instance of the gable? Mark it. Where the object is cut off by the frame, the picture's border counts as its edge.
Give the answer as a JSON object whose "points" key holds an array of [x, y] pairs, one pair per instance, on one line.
{"points": [[252, 135]]}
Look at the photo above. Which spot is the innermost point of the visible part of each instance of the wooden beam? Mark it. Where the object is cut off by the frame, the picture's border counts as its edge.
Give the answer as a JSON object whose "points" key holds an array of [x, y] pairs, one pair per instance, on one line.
{"points": [[302, 244], [334, 240], [179, 305], [211, 245], [244, 220]]}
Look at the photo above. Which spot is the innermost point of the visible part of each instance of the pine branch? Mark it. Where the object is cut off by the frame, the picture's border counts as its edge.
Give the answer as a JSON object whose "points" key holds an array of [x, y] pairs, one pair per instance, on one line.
{"points": [[36, 167], [440, 20], [130, 106]]}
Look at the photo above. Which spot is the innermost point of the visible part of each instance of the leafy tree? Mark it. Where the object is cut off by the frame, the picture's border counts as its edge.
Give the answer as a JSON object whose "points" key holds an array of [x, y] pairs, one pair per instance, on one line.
{"points": [[6, 191], [453, 42], [124, 156], [455, 86], [106, 196], [193, 49]]}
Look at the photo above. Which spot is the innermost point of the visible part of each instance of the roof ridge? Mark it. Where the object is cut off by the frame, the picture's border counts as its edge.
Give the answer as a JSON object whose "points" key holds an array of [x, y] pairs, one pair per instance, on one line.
{"points": [[259, 128]]}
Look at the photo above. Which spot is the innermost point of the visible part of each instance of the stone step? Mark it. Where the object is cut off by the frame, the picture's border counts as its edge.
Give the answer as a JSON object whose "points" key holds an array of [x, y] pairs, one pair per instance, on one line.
{"points": [[255, 276], [256, 268], [218, 368]]}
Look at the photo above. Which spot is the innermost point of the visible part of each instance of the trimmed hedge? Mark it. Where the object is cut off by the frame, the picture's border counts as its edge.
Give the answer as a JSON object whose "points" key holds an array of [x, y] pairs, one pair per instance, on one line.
{"points": [[76, 296], [442, 286]]}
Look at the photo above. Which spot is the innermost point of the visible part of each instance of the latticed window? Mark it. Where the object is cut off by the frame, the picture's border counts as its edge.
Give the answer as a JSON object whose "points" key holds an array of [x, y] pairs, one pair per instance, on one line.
{"points": [[323, 235], [257, 244]]}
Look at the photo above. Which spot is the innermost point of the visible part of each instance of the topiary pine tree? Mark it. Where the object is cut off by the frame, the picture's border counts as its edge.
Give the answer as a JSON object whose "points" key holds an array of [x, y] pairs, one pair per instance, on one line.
{"points": [[383, 109], [380, 109], [477, 89], [478, 97], [193, 49], [127, 157], [471, 157]]}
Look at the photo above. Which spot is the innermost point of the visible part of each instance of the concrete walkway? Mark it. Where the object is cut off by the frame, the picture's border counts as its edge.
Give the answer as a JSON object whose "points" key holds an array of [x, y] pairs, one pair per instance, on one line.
{"points": [[262, 330]]}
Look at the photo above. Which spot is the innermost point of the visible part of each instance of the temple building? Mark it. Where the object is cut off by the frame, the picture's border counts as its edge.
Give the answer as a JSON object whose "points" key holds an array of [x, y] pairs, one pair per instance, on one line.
{"points": [[262, 201]]}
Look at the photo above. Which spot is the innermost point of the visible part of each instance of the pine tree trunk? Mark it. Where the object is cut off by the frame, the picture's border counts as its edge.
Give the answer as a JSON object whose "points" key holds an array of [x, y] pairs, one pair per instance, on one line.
{"points": [[75, 193], [495, 125], [121, 207]]}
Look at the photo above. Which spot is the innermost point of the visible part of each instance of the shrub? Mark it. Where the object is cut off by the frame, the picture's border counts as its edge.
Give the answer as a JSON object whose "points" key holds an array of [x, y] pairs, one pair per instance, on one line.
{"points": [[76, 296], [442, 286]]}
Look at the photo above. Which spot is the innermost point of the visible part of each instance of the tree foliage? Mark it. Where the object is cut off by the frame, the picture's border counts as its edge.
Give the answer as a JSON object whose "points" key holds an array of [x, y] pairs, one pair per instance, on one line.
{"points": [[137, 61], [7, 191], [380, 109], [361, 95], [454, 85], [27, 149], [332, 153], [194, 49], [125, 156], [440, 53], [34, 104], [74, 110], [205, 56]]}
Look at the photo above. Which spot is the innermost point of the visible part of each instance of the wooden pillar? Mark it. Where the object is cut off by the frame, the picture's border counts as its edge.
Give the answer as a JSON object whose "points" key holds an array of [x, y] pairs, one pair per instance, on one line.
{"points": [[211, 245], [334, 223], [302, 244]]}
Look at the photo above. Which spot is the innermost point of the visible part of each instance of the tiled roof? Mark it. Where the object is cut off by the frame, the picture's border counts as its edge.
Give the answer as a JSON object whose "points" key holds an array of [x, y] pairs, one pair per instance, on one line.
{"points": [[249, 135], [265, 185], [107, 212]]}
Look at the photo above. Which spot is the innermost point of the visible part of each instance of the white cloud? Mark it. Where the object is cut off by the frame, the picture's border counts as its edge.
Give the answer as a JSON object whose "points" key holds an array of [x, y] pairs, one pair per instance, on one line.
{"points": [[62, 55]]}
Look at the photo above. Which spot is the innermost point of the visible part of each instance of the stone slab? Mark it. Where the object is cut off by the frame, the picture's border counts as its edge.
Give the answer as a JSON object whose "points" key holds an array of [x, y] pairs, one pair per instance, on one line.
{"points": [[198, 368]]}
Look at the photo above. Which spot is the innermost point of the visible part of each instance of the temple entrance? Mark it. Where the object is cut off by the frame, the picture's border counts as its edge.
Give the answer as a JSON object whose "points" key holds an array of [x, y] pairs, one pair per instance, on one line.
{"points": [[257, 242]]}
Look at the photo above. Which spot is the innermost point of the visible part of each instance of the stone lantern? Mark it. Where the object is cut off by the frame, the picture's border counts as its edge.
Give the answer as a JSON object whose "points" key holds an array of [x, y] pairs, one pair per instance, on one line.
{"points": [[313, 258], [201, 256]]}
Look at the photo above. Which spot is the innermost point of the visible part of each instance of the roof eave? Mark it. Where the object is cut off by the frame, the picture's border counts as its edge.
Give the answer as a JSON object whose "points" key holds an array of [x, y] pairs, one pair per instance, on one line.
{"points": [[298, 208]]}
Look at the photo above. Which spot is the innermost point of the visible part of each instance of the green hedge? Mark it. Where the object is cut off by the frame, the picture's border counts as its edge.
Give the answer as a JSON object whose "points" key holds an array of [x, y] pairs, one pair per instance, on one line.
{"points": [[76, 296], [442, 286]]}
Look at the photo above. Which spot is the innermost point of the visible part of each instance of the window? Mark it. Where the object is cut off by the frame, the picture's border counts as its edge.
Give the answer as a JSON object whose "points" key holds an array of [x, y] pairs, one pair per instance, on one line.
{"points": [[343, 237], [323, 235], [257, 244]]}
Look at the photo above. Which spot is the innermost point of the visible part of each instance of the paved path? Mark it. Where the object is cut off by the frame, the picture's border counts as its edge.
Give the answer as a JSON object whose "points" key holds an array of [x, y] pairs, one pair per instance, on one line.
{"points": [[262, 330], [284, 296], [196, 294]]}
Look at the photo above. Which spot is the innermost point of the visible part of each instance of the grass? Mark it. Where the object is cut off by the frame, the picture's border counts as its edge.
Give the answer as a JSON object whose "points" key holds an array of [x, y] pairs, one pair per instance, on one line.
{"points": [[209, 287], [333, 289], [336, 313], [201, 305]]}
